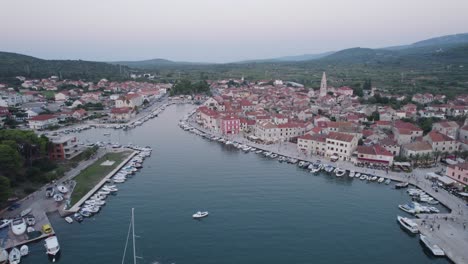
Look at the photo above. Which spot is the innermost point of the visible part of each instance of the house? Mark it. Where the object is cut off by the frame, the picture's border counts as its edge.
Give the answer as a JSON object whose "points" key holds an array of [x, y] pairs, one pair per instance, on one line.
{"points": [[441, 142], [448, 128], [76, 103], [246, 125], [43, 121], [130, 100], [121, 114], [406, 132], [63, 148], [208, 118], [458, 172], [463, 133], [375, 154], [340, 146], [391, 145], [345, 90], [79, 114], [410, 150], [62, 96], [312, 144], [230, 125], [266, 131]]}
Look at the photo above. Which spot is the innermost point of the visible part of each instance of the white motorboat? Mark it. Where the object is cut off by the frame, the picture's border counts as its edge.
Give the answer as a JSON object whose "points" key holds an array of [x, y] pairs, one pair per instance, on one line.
{"points": [[119, 180], [15, 256], [78, 217], [259, 151], [340, 172], [109, 189], [374, 178], [30, 229], [357, 175], [25, 212], [433, 202], [274, 156], [301, 163], [434, 210], [408, 224], [30, 220], [199, 215], [18, 226], [401, 185], [407, 208], [61, 188], [101, 191], [52, 247], [351, 174], [58, 197], [363, 177], [24, 250], [381, 179], [3, 256], [388, 181], [4, 223], [68, 219], [434, 248]]}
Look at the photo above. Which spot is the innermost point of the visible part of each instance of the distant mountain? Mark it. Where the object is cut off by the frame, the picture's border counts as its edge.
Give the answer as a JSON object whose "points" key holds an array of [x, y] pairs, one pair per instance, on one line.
{"points": [[14, 64], [304, 57], [448, 40], [154, 63]]}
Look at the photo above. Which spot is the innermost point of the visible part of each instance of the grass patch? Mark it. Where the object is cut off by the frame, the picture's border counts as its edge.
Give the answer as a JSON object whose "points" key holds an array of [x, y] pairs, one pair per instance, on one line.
{"points": [[89, 177]]}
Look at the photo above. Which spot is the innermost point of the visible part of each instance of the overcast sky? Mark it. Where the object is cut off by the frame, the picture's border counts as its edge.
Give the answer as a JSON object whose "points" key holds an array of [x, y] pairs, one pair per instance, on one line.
{"points": [[218, 30]]}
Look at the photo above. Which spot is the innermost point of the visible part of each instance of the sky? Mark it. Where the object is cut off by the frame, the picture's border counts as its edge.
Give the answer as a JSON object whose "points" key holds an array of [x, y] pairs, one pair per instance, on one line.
{"points": [[218, 30]]}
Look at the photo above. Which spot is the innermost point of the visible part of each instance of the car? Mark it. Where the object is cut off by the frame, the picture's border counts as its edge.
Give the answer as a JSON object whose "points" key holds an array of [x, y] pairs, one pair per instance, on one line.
{"points": [[47, 229]]}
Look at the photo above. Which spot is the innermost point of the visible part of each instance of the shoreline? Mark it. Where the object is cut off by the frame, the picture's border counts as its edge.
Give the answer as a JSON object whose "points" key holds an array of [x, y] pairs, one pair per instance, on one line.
{"points": [[455, 251]]}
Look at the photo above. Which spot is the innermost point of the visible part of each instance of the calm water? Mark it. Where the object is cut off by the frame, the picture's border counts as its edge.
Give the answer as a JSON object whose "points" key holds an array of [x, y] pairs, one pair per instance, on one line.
{"points": [[261, 211]]}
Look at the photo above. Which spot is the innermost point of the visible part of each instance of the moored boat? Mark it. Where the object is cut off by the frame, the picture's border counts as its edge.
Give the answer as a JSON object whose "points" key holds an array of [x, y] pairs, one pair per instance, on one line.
{"points": [[3, 256], [4, 223], [339, 172], [52, 247], [68, 219], [408, 224], [401, 185], [24, 250], [15, 256], [18, 226]]}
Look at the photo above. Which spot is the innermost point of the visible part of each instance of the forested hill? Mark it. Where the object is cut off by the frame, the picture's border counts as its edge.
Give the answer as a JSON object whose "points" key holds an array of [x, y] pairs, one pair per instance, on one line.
{"points": [[13, 64]]}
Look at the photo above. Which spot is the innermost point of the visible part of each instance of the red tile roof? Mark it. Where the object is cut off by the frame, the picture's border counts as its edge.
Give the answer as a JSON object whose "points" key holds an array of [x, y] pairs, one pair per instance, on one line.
{"points": [[42, 117], [340, 136], [374, 150]]}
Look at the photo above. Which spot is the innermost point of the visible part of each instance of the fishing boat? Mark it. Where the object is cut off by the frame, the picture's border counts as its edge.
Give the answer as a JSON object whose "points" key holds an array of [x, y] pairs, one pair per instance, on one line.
{"points": [[401, 185], [68, 220], [18, 226], [199, 215], [340, 172], [434, 248], [408, 224], [4, 223], [52, 247], [3, 256], [15, 256], [24, 250]]}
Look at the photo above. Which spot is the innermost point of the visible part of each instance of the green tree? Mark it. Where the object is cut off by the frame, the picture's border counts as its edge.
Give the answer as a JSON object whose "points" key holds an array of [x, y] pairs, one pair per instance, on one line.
{"points": [[10, 160], [367, 84], [5, 189]]}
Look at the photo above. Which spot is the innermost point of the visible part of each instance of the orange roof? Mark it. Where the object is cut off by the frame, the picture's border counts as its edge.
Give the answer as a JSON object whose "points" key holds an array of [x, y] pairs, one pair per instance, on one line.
{"points": [[340, 136]]}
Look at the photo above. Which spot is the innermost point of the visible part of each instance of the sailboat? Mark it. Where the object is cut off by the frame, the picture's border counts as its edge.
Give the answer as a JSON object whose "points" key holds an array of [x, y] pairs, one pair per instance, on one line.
{"points": [[131, 228]]}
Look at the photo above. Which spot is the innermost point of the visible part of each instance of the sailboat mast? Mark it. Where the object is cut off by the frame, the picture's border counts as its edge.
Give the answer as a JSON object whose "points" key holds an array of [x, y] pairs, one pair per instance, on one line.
{"points": [[133, 231]]}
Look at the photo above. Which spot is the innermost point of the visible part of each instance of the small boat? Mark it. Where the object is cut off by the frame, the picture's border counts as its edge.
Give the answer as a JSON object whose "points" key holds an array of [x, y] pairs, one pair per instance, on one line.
{"points": [[25, 212], [301, 163], [381, 179], [433, 202], [435, 249], [408, 224], [4, 223], [30, 220], [351, 174], [68, 219], [407, 208], [199, 215], [18, 226], [274, 156], [85, 213], [388, 181], [78, 217], [363, 177], [374, 178], [3, 256], [61, 188], [357, 175], [434, 210], [119, 180], [401, 185], [52, 247], [15, 256], [340, 172], [58, 197], [30, 229], [24, 250], [259, 151]]}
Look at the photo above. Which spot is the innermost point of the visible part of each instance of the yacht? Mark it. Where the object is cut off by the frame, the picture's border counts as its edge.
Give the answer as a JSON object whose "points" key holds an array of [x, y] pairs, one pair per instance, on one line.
{"points": [[199, 215], [340, 172], [15, 256], [18, 226], [52, 247], [408, 224], [435, 249]]}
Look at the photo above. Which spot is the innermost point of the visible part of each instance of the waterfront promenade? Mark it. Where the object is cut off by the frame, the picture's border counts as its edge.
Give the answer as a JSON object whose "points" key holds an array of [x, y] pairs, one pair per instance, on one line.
{"points": [[451, 236]]}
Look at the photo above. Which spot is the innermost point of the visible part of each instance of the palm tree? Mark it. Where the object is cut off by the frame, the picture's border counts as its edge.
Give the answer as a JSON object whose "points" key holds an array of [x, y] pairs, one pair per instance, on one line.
{"points": [[417, 158]]}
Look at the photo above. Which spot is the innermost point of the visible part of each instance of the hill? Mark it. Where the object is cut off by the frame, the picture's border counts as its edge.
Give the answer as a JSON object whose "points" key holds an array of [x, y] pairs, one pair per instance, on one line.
{"points": [[304, 57], [155, 63], [13, 64]]}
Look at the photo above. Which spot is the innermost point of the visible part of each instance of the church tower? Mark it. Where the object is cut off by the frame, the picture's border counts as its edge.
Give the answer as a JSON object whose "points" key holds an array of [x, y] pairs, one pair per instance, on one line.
{"points": [[323, 85]]}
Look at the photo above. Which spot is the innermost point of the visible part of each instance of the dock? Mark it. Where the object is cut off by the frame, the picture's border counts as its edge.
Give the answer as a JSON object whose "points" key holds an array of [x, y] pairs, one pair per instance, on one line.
{"points": [[76, 207]]}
